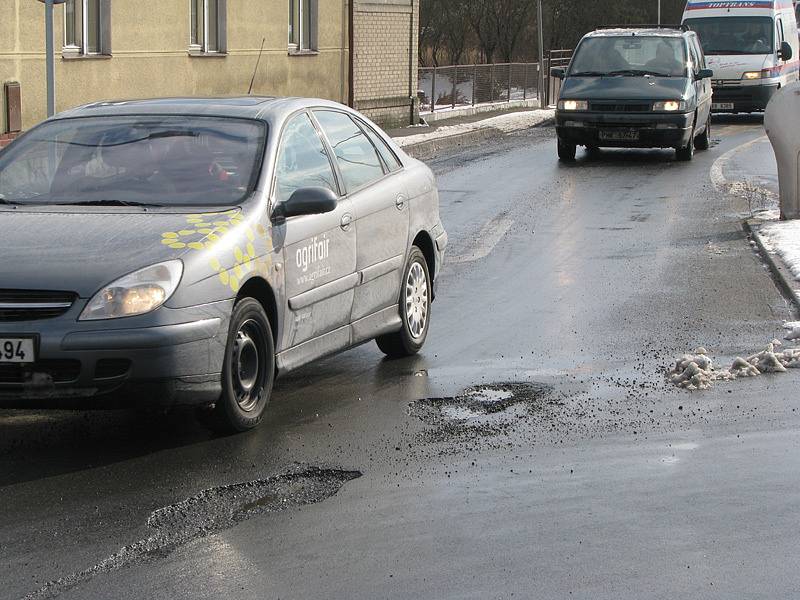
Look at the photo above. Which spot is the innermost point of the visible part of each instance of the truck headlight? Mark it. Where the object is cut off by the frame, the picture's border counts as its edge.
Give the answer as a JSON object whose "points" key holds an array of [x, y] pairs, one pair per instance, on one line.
{"points": [[752, 75], [669, 106], [573, 105], [138, 293]]}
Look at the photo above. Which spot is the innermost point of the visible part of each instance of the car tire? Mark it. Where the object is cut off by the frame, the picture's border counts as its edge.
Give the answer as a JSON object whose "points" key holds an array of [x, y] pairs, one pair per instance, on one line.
{"points": [[686, 153], [566, 151], [248, 370], [703, 141], [415, 309]]}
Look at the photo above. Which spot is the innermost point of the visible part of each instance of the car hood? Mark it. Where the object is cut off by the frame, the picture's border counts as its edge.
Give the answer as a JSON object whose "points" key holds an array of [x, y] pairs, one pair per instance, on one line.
{"points": [[735, 66], [81, 251], [624, 88]]}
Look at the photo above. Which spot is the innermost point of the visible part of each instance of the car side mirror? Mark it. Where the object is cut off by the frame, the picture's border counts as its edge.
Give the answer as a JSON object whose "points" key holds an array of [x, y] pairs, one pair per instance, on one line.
{"points": [[705, 74], [558, 73], [785, 53], [306, 201]]}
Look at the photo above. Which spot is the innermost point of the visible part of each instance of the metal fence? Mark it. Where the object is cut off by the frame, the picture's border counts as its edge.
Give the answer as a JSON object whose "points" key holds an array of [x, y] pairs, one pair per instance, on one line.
{"points": [[557, 59], [443, 88]]}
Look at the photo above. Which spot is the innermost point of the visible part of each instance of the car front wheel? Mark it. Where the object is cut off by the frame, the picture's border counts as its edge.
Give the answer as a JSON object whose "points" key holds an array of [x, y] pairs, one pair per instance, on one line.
{"points": [[566, 151], [415, 309], [686, 153], [248, 371]]}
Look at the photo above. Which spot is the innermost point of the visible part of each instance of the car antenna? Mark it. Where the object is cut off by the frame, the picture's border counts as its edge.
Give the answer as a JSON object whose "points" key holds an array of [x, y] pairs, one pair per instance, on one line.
{"points": [[253, 80]]}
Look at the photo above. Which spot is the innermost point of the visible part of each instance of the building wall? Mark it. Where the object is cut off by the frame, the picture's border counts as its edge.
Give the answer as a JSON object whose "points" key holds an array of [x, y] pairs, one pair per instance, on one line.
{"points": [[385, 54], [149, 43]]}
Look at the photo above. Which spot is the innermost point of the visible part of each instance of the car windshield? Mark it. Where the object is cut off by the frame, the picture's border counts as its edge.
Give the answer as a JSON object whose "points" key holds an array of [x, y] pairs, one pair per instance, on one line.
{"points": [[632, 56], [734, 35], [134, 160]]}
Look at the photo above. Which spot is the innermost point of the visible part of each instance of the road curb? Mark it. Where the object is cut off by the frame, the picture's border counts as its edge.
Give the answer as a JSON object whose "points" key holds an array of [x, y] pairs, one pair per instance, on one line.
{"points": [[781, 273], [430, 148]]}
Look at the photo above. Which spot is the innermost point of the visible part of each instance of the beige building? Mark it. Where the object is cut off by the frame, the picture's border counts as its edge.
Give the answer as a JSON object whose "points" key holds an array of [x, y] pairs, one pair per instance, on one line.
{"points": [[117, 49]]}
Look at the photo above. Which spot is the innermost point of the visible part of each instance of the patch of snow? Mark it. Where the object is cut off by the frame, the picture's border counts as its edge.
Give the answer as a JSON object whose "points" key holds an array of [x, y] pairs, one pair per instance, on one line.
{"points": [[696, 371], [505, 123], [783, 238]]}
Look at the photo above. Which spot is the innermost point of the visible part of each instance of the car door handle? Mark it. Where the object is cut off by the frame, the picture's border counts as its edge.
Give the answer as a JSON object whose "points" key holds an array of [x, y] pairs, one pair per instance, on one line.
{"points": [[347, 220], [400, 202]]}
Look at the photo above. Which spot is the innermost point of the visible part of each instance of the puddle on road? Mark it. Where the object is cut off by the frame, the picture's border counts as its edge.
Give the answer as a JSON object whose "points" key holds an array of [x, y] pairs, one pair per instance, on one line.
{"points": [[210, 512], [479, 411]]}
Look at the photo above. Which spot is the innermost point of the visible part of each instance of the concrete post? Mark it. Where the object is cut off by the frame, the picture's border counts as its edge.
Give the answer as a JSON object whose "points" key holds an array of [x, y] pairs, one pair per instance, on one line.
{"points": [[50, 67], [781, 120]]}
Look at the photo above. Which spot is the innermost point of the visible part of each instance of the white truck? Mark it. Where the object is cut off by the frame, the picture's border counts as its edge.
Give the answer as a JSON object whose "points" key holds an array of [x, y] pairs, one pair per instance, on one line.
{"points": [[751, 45]]}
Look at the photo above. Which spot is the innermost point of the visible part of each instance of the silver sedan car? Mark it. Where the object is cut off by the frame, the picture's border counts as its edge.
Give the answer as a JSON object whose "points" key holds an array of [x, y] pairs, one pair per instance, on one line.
{"points": [[186, 251]]}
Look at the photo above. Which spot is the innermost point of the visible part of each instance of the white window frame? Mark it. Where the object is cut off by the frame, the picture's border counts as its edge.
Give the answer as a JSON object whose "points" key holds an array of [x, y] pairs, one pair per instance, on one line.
{"points": [[82, 49], [298, 28], [202, 48]]}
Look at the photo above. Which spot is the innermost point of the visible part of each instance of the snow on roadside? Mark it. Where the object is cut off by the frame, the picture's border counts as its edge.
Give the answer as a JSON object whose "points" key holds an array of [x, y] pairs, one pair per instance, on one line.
{"points": [[696, 371], [783, 239], [505, 123]]}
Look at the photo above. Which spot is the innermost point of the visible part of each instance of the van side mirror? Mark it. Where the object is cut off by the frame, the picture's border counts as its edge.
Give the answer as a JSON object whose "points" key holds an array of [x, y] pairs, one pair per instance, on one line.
{"points": [[558, 73], [705, 74], [785, 53], [306, 201]]}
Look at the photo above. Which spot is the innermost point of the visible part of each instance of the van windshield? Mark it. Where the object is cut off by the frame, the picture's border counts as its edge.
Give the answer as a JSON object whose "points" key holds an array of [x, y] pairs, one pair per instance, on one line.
{"points": [[630, 56], [734, 35], [133, 161]]}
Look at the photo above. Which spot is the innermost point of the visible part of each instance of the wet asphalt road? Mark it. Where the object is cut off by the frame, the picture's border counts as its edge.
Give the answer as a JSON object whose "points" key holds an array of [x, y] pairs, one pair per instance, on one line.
{"points": [[592, 478]]}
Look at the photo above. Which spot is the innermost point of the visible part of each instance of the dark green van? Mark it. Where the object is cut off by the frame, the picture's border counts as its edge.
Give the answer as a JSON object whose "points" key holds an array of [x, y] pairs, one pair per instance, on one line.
{"points": [[635, 88]]}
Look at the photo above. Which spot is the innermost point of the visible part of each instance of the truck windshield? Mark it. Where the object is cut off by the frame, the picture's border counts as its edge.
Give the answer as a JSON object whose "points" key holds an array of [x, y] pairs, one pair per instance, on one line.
{"points": [[134, 160], [734, 35], [630, 56]]}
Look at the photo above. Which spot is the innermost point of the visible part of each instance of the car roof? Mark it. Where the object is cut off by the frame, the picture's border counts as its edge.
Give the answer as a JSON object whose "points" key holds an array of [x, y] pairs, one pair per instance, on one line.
{"points": [[263, 108], [638, 32]]}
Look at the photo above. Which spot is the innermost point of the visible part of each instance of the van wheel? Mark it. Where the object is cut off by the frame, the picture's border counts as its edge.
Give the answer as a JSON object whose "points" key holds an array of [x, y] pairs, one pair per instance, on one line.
{"points": [[415, 309], [248, 370], [566, 152], [686, 153], [703, 141]]}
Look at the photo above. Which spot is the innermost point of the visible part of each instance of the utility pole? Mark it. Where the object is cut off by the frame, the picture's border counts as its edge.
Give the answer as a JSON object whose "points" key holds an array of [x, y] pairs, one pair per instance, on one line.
{"points": [[541, 56], [659, 13], [50, 51]]}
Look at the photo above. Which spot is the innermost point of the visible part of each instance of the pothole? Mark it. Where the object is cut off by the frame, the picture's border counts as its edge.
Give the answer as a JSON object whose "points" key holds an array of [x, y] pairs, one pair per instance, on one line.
{"points": [[480, 411], [211, 511]]}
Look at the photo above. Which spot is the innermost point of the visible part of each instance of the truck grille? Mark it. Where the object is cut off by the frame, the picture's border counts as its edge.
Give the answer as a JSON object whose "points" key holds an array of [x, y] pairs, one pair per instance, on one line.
{"points": [[611, 107], [29, 305]]}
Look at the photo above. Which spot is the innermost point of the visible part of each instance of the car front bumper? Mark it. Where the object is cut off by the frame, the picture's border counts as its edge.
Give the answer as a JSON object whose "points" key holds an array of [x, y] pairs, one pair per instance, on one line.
{"points": [[744, 98], [647, 130], [171, 357]]}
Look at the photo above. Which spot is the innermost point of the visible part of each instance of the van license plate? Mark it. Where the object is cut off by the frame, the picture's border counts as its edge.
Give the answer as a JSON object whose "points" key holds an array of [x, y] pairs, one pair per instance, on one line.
{"points": [[722, 106], [17, 350], [619, 135]]}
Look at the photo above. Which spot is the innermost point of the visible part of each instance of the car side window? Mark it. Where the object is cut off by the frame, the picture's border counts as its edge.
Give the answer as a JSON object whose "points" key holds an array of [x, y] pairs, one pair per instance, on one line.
{"points": [[389, 158], [695, 58], [302, 160], [357, 158]]}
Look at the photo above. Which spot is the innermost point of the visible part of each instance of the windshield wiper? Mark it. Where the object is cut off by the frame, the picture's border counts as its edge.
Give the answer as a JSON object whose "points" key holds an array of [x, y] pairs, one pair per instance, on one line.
{"points": [[588, 74], [109, 202], [639, 73], [7, 202]]}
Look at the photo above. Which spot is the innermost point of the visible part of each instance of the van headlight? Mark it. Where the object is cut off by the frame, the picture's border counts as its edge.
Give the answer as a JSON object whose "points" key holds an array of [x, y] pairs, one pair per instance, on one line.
{"points": [[138, 293], [669, 106], [750, 75], [573, 105]]}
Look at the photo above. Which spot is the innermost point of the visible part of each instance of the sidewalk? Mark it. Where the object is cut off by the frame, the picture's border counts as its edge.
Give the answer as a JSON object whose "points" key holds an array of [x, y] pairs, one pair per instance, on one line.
{"points": [[426, 141]]}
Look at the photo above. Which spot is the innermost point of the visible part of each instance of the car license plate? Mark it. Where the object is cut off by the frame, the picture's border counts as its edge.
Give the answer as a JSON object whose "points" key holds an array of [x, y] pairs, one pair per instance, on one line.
{"points": [[619, 135], [722, 106], [17, 350]]}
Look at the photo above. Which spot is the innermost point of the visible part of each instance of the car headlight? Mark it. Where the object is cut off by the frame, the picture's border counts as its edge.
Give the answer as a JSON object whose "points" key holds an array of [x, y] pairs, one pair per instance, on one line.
{"points": [[752, 75], [573, 105], [669, 106], [138, 293]]}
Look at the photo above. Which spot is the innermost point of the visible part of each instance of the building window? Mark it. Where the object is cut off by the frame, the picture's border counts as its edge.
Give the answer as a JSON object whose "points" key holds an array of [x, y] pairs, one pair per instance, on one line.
{"points": [[303, 17], [208, 26], [86, 27]]}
